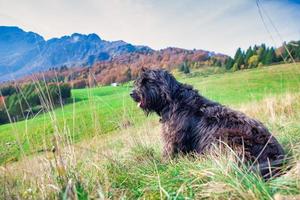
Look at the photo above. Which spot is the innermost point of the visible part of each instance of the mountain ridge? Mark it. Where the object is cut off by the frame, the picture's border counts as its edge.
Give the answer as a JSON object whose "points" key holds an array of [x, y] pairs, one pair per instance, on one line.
{"points": [[24, 53]]}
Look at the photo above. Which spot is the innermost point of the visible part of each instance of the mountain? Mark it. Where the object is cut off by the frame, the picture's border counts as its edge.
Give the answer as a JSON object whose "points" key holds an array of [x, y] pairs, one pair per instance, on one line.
{"points": [[86, 59], [126, 67], [23, 52], [17, 48]]}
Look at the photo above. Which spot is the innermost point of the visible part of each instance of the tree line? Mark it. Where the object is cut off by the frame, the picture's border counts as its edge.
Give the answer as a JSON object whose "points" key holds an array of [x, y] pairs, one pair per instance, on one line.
{"points": [[254, 56], [261, 55], [23, 101]]}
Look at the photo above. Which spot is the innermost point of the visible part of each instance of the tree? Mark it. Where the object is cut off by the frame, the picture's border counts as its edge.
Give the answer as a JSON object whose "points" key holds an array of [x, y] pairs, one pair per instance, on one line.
{"points": [[240, 62], [181, 67], [20, 104], [255, 49], [249, 53], [3, 116], [253, 61], [14, 105], [229, 63], [128, 74], [238, 53], [184, 68], [218, 63], [235, 67], [77, 84], [294, 49], [261, 52], [63, 68], [270, 57], [239, 58], [7, 90], [65, 91]]}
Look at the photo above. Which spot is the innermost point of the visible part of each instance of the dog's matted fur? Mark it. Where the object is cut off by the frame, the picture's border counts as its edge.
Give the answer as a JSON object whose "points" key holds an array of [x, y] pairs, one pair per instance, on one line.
{"points": [[192, 123]]}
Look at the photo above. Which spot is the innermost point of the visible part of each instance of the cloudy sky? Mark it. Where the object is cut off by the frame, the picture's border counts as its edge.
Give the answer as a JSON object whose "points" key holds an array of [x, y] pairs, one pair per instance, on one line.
{"points": [[216, 25]]}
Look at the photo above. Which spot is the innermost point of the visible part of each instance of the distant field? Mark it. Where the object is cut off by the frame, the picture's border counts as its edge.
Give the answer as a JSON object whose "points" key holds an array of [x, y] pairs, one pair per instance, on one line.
{"points": [[94, 111], [248, 85], [101, 110]]}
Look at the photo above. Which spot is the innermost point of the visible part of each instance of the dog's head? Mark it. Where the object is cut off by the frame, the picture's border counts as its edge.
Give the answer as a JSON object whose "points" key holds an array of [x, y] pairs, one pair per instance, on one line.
{"points": [[154, 89]]}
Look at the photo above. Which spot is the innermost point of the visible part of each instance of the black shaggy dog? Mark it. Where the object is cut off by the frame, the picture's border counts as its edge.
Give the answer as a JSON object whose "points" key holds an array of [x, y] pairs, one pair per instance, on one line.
{"points": [[191, 123]]}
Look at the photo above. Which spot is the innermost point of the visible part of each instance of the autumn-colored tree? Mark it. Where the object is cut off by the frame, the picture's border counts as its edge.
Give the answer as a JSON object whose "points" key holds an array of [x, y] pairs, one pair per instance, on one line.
{"points": [[253, 61], [2, 98], [77, 84]]}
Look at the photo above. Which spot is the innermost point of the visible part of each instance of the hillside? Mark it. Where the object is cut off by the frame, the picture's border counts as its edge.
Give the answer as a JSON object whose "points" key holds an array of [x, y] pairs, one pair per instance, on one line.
{"points": [[125, 67], [26, 52], [106, 146], [23, 53], [104, 109]]}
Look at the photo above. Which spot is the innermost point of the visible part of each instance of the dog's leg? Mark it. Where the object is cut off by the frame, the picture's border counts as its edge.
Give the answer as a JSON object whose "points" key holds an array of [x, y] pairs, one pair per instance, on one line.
{"points": [[168, 151]]}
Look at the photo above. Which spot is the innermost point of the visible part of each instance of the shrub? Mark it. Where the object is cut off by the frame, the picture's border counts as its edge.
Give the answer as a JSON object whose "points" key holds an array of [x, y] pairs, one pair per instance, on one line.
{"points": [[7, 90]]}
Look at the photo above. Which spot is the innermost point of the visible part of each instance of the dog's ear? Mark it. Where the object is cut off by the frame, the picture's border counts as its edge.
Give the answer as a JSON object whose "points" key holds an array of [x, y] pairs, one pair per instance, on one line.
{"points": [[141, 71], [169, 84]]}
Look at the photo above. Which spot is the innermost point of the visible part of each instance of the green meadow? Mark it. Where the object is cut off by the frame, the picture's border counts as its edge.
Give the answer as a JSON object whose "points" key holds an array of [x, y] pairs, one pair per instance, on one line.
{"points": [[91, 112], [111, 150]]}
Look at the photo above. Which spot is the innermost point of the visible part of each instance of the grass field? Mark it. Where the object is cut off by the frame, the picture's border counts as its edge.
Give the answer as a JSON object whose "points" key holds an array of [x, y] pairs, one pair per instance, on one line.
{"points": [[106, 147]]}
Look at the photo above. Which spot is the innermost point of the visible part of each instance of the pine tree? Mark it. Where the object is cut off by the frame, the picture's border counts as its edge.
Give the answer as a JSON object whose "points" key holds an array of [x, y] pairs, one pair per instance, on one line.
{"points": [[239, 58], [237, 54], [261, 52], [187, 70], [270, 57], [181, 67], [128, 74], [234, 67], [229, 63], [218, 63], [184, 68], [255, 49], [249, 53]]}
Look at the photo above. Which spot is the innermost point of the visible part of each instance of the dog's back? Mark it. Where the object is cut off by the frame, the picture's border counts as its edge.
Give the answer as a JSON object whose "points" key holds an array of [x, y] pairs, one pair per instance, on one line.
{"points": [[192, 123], [238, 130]]}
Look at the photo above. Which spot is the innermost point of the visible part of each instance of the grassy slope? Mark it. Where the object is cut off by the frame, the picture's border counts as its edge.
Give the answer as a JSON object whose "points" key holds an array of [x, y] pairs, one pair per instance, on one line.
{"points": [[95, 111], [128, 162], [101, 110], [248, 85]]}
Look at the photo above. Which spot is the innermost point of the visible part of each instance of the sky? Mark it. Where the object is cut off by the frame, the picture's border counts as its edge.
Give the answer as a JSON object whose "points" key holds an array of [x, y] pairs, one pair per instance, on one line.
{"points": [[215, 25]]}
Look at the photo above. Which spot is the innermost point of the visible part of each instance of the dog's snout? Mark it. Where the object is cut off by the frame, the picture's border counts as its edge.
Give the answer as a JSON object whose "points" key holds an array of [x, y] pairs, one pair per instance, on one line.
{"points": [[135, 96]]}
